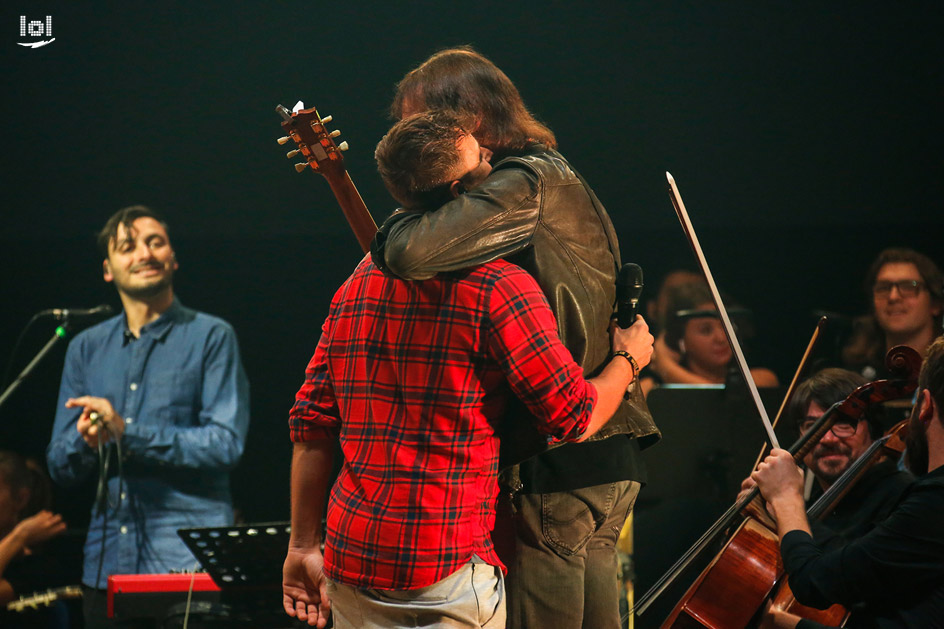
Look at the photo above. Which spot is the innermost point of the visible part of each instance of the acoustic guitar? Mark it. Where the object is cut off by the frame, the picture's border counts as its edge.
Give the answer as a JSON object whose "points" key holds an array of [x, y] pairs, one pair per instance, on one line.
{"points": [[47, 598], [317, 147]]}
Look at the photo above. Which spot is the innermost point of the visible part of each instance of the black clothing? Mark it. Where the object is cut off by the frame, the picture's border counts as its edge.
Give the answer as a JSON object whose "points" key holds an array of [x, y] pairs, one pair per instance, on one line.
{"points": [[535, 211], [896, 572], [869, 502], [559, 470]]}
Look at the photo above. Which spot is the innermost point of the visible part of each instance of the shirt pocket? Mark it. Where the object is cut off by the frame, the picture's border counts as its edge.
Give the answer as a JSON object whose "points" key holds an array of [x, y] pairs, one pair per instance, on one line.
{"points": [[174, 394]]}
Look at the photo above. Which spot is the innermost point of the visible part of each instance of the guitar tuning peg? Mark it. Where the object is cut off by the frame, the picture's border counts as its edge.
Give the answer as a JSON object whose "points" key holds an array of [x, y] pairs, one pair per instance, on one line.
{"points": [[335, 133], [292, 154], [327, 119], [283, 139], [300, 166], [343, 146]]}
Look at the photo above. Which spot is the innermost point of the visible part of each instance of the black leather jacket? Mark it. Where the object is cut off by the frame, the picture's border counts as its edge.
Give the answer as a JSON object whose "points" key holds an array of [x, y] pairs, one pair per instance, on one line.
{"points": [[535, 211]]}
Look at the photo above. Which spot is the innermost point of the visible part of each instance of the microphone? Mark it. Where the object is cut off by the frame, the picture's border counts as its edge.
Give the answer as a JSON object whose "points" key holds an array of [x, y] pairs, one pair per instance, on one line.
{"points": [[628, 290], [61, 314]]}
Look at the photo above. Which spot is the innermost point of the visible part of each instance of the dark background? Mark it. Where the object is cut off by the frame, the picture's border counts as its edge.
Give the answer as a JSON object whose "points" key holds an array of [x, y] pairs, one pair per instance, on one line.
{"points": [[804, 136]]}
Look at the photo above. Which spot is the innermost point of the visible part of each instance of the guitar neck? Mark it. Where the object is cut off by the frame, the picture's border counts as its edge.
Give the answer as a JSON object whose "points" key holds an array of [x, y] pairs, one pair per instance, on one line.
{"points": [[355, 211], [307, 128]]}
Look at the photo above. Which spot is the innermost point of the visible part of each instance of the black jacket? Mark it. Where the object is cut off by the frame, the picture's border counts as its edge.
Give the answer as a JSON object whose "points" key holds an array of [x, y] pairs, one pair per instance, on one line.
{"points": [[533, 210]]}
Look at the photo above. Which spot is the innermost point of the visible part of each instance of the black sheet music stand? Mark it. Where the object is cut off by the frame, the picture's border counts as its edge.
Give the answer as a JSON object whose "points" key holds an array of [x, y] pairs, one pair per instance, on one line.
{"points": [[238, 557], [246, 563]]}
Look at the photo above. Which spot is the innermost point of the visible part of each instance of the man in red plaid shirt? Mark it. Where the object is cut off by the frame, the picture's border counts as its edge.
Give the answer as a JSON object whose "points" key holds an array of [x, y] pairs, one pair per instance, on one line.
{"points": [[413, 378]]}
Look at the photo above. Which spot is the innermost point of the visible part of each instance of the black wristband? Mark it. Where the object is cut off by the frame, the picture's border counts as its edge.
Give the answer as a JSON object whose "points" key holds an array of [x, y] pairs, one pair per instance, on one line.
{"points": [[632, 361]]}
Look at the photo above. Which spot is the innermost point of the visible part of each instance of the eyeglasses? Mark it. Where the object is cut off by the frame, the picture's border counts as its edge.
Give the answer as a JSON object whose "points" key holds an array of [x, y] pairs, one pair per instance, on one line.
{"points": [[906, 288], [839, 429]]}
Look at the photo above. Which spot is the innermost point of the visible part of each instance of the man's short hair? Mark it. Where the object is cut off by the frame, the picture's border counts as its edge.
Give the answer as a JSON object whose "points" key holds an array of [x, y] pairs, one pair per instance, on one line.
{"points": [[929, 271], [827, 387], [126, 216], [932, 372], [419, 154]]}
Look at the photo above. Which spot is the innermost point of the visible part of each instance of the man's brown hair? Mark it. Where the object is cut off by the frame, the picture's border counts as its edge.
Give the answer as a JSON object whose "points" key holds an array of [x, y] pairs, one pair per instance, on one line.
{"points": [[932, 372], [929, 271], [827, 387], [126, 216], [418, 155], [463, 80]]}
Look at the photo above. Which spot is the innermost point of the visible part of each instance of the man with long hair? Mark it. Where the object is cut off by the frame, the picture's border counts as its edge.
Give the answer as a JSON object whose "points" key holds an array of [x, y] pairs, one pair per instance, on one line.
{"points": [[413, 379], [564, 508]]}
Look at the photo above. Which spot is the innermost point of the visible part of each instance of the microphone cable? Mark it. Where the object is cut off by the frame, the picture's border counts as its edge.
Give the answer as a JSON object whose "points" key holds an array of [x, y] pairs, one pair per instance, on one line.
{"points": [[103, 501]]}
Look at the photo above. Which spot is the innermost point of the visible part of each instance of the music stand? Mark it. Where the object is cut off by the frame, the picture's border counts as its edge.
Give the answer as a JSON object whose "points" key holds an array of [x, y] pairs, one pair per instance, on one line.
{"points": [[711, 436], [240, 557], [246, 563]]}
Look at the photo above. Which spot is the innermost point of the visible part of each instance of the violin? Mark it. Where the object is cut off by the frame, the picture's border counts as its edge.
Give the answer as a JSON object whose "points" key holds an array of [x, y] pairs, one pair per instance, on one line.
{"points": [[740, 579]]}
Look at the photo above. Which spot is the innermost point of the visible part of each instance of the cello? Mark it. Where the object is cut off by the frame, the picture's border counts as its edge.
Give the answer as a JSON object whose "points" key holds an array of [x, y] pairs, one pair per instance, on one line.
{"points": [[892, 445], [738, 581]]}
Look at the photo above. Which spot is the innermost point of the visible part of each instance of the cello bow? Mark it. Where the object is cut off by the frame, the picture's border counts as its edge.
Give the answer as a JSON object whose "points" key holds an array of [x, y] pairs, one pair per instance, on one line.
{"points": [[801, 368], [722, 311]]}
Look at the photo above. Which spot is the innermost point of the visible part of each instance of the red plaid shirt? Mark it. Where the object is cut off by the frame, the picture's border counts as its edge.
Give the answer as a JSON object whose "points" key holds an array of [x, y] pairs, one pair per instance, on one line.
{"points": [[413, 377]]}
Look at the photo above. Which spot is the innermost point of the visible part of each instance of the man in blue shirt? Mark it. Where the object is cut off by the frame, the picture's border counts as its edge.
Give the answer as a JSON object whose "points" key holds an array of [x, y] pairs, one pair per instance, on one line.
{"points": [[165, 384]]}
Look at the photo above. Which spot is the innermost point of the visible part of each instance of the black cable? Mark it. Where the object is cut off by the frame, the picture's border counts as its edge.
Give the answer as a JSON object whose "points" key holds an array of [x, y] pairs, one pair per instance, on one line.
{"points": [[103, 510], [102, 500]]}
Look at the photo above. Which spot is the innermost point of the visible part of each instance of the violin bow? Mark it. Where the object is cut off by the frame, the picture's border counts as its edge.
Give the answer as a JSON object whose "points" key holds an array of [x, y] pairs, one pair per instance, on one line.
{"points": [[801, 368], [725, 320]]}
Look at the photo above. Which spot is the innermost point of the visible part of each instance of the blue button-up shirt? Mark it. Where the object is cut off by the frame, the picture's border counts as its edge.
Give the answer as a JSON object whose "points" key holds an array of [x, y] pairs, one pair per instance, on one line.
{"points": [[184, 396]]}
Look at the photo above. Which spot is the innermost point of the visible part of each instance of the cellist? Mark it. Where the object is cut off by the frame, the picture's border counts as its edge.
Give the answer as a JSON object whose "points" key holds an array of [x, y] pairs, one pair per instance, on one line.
{"points": [[877, 492], [895, 573]]}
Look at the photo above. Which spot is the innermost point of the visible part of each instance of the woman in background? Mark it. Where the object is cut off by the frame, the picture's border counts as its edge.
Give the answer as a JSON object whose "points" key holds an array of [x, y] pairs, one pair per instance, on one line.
{"points": [[693, 349]]}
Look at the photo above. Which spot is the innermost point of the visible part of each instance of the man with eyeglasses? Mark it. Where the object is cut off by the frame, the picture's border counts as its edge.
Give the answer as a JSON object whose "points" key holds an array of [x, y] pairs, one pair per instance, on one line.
{"points": [[906, 290], [873, 497], [894, 575]]}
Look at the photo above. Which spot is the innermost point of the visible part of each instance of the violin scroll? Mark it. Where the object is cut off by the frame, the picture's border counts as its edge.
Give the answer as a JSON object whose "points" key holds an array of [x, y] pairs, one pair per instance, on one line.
{"points": [[903, 362]]}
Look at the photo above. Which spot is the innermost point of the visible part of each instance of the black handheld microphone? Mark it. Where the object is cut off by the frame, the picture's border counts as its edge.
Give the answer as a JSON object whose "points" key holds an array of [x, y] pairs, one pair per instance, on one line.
{"points": [[628, 290], [64, 313]]}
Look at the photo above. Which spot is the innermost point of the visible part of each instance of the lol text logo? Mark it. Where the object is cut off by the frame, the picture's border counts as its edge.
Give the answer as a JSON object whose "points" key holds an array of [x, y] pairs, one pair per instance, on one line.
{"points": [[36, 28]]}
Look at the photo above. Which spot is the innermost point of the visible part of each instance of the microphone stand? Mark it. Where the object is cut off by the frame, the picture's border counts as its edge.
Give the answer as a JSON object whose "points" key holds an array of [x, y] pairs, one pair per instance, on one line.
{"points": [[61, 332]]}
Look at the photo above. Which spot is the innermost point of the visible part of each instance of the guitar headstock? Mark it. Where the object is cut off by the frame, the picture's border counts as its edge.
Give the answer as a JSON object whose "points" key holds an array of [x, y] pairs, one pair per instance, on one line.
{"points": [[315, 143], [46, 598]]}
